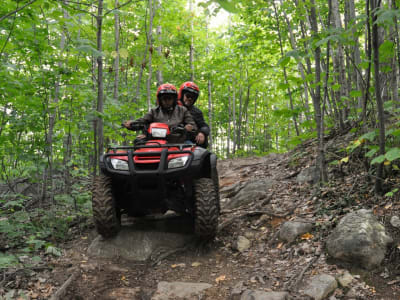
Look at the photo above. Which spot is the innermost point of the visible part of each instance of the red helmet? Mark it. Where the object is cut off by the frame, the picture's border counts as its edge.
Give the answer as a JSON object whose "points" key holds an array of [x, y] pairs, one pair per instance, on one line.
{"points": [[166, 88], [190, 87]]}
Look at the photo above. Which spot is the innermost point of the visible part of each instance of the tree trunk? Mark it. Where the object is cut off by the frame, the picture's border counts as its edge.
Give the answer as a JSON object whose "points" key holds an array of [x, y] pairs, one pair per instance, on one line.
{"points": [[379, 102], [210, 115], [191, 50], [150, 42], [100, 83], [233, 119], [116, 60], [284, 69], [159, 51], [299, 66], [338, 61], [228, 138], [317, 96], [238, 127], [48, 174]]}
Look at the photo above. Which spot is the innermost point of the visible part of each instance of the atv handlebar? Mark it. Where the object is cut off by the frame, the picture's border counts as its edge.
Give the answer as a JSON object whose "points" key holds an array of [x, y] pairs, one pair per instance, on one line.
{"points": [[135, 126], [180, 129]]}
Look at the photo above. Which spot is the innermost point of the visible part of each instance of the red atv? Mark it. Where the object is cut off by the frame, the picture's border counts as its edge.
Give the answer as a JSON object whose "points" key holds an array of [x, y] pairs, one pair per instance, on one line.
{"points": [[156, 175]]}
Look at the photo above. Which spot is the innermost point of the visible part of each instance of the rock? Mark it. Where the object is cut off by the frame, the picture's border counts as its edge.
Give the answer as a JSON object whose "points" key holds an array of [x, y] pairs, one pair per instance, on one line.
{"points": [[345, 279], [359, 238], [237, 291], [231, 190], [261, 295], [139, 241], [123, 293], [395, 221], [242, 244], [308, 175], [251, 192], [292, 229], [321, 286], [179, 290]]}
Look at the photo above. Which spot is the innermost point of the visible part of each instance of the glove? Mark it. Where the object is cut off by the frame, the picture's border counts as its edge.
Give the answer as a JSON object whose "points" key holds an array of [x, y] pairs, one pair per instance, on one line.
{"points": [[133, 125]]}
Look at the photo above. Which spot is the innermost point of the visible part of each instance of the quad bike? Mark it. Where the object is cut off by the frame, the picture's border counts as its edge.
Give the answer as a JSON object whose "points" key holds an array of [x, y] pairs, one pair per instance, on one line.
{"points": [[156, 175]]}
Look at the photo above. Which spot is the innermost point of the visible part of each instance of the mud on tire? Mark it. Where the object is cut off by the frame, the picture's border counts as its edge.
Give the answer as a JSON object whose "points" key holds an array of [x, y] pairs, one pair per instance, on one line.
{"points": [[206, 208], [105, 213]]}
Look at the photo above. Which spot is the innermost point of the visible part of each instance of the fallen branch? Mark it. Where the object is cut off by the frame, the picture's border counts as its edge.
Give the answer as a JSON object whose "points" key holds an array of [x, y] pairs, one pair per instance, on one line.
{"points": [[63, 289], [251, 214], [289, 286]]}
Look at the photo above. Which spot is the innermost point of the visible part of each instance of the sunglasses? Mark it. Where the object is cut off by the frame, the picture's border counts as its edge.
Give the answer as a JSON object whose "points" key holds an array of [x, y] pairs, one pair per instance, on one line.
{"points": [[191, 95]]}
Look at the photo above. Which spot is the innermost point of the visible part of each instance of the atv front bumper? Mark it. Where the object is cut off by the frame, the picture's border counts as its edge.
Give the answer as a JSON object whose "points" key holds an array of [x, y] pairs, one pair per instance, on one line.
{"points": [[160, 171]]}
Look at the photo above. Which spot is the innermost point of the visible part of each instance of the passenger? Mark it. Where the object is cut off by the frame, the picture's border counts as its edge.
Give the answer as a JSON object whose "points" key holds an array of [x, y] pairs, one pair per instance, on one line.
{"points": [[188, 94], [167, 111]]}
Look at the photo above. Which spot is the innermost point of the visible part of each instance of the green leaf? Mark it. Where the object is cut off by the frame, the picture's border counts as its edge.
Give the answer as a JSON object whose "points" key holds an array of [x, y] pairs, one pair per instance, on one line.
{"points": [[370, 136], [371, 152], [53, 251], [378, 160], [392, 154], [284, 61], [228, 5], [7, 260], [355, 93]]}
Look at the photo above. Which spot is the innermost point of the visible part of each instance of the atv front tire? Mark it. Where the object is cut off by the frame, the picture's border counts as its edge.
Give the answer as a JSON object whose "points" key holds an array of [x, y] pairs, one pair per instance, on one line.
{"points": [[106, 214], [206, 208]]}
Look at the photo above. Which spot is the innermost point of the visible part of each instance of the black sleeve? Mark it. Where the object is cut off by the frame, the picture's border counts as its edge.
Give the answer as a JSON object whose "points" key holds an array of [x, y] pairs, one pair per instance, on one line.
{"points": [[201, 124]]}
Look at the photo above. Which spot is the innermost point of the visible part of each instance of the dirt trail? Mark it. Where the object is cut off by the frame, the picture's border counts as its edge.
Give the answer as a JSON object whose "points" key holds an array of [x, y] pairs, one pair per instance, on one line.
{"points": [[267, 265]]}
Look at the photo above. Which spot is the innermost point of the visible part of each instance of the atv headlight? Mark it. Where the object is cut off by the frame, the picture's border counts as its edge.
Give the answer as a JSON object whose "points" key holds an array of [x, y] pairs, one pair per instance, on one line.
{"points": [[159, 132], [119, 164], [177, 162]]}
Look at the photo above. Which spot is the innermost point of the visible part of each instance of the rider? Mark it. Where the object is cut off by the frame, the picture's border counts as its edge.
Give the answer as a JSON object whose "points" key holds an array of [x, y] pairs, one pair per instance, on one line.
{"points": [[188, 94], [167, 111]]}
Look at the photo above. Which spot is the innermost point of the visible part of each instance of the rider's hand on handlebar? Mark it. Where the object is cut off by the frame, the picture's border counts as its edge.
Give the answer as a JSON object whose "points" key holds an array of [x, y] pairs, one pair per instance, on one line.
{"points": [[189, 127]]}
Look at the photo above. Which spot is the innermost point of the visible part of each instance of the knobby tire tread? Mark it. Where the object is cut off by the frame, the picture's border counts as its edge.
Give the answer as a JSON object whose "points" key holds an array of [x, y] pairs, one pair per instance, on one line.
{"points": [[206, 208], [105, 212]]}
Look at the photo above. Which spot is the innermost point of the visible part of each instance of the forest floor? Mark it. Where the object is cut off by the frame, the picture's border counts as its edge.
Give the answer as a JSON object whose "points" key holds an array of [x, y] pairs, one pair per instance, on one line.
{"points": [[268, 265]]}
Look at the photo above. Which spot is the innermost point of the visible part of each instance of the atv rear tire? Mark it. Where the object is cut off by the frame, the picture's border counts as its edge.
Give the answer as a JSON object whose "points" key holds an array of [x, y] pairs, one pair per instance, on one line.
{"points": [[206, 209], [106, 215]]}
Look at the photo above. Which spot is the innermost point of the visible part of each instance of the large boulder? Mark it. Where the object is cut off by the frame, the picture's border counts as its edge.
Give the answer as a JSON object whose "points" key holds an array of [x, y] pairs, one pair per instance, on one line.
{"points": [[320, 286], [290, 230], [359, 239], [143, 239]]}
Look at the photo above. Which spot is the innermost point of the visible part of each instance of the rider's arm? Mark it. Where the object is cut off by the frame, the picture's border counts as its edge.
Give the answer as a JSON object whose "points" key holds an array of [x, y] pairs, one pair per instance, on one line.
{"points": [[188, 119], [203, 126]]}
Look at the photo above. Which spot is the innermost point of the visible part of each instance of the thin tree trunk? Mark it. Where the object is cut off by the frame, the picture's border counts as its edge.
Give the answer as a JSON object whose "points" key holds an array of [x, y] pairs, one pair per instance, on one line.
{"points": [[100, 83], [228, 139], [339, 62], [299, 66], [238, 128], [116, 61], [210, 116], [379, 102], [394, 82], [368, 51], [150, 42], [159, 50], [48, 175], [191, 50], [233, 119], [317, 96], [284, 70]]}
